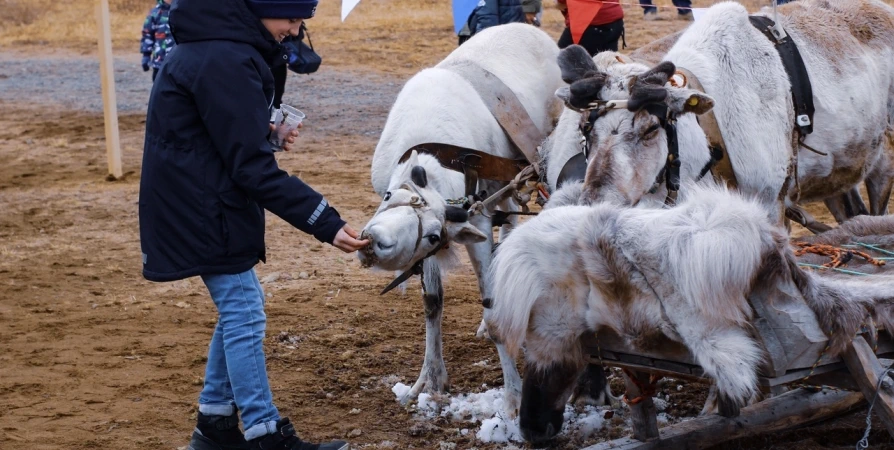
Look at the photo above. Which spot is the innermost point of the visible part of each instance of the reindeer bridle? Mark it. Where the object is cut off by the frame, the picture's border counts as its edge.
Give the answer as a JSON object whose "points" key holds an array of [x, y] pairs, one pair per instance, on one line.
{"points": [[418, 207], [670, 173]]}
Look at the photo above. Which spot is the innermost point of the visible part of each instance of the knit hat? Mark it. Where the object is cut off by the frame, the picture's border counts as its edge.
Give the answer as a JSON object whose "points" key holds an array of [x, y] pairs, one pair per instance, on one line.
{"points": [[283, 9]]}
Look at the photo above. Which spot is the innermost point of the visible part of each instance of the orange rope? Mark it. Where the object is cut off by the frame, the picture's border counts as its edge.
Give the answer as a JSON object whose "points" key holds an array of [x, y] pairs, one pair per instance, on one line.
{"points": [[839, 256], [645, 392]]}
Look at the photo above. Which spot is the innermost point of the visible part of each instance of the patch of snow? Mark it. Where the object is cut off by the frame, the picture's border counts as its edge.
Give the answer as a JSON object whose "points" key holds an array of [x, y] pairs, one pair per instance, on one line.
{"points": [[498, 429], [486, 410], [400, 390]]}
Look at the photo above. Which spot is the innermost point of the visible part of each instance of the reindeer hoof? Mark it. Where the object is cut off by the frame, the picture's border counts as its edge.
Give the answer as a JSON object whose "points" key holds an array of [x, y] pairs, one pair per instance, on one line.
{"points": [[482, 331], [511, 403], [727, 407]]}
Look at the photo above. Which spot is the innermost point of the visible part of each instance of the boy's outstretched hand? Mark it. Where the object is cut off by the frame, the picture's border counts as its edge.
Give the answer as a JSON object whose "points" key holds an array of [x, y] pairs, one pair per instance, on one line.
{"points": [[346, 240]]}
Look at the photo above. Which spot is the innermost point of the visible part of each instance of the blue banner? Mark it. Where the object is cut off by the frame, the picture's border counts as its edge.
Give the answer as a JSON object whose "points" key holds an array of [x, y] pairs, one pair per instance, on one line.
{"points": [[462, 9]]}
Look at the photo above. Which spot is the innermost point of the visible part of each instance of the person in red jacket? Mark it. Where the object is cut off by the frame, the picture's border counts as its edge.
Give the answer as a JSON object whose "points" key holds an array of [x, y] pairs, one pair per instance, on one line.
{"points": [[603, 32]]}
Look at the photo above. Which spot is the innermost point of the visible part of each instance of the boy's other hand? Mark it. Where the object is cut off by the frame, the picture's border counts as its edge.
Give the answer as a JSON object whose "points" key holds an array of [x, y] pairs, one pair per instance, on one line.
{"points": [[145, 64], [291, 139], [346, 240]]}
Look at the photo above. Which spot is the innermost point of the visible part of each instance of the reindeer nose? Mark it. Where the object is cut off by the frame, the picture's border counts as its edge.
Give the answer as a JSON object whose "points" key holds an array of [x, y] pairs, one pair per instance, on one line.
{"points": [[382, 241]]}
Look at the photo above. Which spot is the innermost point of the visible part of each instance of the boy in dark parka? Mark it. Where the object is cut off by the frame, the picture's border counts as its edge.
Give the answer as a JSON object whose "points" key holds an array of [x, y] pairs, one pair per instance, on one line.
{"points": [[208, 175]]}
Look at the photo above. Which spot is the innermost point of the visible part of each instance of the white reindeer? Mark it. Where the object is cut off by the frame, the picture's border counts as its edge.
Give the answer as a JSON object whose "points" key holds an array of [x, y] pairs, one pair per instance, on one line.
{"points": [[848, 49], [651, 274], [438, 105]]}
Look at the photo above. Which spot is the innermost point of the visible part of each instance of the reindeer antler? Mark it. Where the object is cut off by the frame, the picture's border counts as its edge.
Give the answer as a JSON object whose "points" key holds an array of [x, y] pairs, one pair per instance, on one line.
{"points": [[648, 87], [579, 70]]}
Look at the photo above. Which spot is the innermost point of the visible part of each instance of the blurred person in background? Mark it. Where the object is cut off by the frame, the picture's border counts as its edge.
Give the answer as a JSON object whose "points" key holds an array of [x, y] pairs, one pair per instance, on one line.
{"points": [[489, 13], [157, 39], [684, 9], [532, 10], [603, 33]]}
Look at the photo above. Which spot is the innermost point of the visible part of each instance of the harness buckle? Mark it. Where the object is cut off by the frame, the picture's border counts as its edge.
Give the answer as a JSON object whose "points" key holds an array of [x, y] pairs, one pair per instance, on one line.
{"points": [[778, 32], [803, 120]]}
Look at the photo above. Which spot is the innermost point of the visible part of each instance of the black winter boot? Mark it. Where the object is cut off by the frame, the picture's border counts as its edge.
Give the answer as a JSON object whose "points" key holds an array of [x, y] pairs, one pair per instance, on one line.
{"points": [[217, 433], [285, 439]]}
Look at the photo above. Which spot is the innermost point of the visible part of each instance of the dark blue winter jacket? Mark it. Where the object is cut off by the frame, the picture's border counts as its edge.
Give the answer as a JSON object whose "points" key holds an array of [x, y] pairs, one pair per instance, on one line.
{"points": [[208, 171], [490, 13]]}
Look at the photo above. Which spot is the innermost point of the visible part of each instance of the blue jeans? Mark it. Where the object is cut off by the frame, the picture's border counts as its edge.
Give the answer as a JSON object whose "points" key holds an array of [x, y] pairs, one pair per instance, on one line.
{"points": [[647, 6], [236, 373]]}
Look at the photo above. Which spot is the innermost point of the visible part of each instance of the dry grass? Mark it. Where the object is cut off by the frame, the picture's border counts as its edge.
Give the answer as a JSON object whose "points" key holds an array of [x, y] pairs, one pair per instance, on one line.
{"points": [[391, 36]]}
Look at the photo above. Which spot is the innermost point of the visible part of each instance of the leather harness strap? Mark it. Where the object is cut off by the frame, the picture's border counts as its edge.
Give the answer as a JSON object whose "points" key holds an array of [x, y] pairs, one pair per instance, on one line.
{"points": [[575, 169], [461, 159], [505, 107], [802, 91]]}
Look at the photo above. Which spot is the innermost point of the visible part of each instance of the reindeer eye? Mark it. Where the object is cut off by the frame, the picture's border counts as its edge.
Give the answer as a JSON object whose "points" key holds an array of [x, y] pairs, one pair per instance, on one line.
{"points": [[387, 196], [433, 238]]}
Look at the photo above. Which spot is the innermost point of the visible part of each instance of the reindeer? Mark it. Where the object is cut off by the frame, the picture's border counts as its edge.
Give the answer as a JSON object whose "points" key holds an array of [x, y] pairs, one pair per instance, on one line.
{"points": [[414, 222], [651, 274], [848, 50]]}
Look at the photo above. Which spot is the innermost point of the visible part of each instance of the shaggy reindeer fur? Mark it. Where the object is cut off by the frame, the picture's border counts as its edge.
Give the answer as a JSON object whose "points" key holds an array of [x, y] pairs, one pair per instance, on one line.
{"points": [[648, 273]]}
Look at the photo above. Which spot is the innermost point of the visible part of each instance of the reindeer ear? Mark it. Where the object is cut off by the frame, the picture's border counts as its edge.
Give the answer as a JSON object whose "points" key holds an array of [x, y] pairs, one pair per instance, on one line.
{"points": [[564, 94], [575, 63], [681, 101], [418, 176], [464, 233], [413, 160]]}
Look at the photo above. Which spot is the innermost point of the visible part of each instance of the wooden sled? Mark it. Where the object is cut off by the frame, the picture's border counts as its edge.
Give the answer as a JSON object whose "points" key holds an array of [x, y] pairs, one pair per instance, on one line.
{"points": [[789, 332]]}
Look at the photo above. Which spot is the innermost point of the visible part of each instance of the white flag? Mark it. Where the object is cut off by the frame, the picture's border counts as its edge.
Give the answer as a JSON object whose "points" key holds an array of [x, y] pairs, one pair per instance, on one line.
{"points": [[698, 12], [346, 7]]}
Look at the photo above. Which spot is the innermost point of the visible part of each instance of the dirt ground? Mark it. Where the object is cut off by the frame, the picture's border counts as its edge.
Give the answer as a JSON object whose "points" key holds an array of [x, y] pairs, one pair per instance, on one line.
{"points": [[92, 356]]}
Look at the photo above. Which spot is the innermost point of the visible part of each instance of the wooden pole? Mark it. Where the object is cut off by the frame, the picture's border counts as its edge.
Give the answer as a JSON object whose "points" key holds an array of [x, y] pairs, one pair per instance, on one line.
{"points": [[789, 410], [866, 369], [107, 77], [643, 414]]}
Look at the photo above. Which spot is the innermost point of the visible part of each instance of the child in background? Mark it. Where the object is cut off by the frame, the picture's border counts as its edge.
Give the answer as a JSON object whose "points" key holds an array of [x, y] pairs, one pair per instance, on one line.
{"points": [[157, 39]]}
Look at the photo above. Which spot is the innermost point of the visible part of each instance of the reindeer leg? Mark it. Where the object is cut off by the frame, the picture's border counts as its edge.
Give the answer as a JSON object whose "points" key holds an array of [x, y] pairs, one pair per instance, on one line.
{"points": [[433, 376], [481, 255], [838, 207], [878, 188], [592, 387], [858, 206]]}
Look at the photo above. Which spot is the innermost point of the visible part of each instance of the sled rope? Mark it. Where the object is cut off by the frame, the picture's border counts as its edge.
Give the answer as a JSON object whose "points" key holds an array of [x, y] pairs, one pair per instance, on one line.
{"points": [[863, 444], [645, 391]]}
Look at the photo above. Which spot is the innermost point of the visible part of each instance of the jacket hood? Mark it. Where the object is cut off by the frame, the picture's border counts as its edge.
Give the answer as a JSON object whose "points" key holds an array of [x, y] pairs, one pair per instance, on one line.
{"points": [[226, 20]]}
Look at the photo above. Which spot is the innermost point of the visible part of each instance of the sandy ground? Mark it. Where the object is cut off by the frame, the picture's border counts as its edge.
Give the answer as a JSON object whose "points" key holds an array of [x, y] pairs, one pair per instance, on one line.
{"points": [[93, 356]]}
